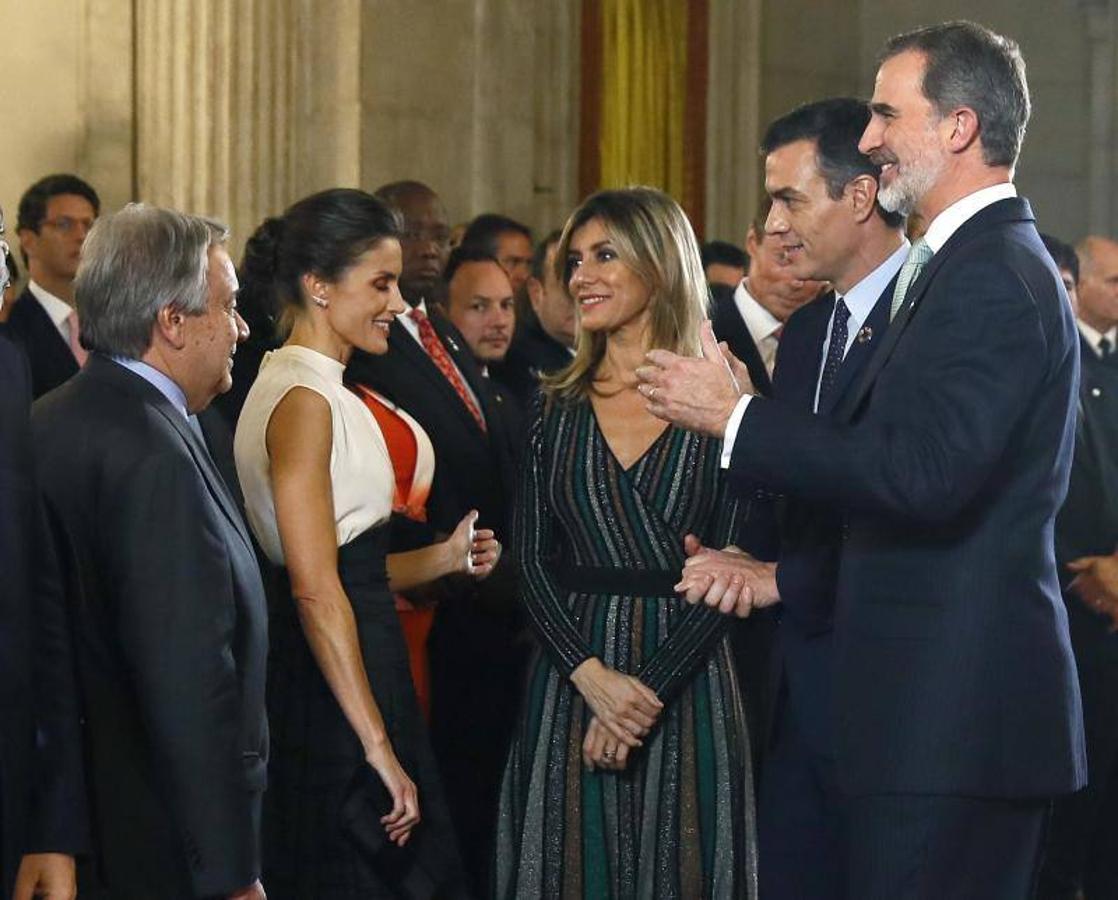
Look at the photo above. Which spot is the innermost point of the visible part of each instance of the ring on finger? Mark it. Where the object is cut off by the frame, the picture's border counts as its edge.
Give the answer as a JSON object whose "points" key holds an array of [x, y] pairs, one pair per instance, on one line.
{"points": [[609, 754], [652, 393]]}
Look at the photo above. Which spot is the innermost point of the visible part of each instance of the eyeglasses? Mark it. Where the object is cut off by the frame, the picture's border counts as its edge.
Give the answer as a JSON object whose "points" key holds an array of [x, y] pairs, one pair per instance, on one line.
{"points": [[66, 224]]}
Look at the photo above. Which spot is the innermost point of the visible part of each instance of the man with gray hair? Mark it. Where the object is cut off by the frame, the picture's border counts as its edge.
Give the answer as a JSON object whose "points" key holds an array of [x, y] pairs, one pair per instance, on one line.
{"points": [[163, 591], [957, 709]]}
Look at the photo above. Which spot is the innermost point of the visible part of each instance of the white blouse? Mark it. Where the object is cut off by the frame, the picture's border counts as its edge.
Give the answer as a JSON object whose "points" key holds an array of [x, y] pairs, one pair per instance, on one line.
{"points": [[360, 468]]}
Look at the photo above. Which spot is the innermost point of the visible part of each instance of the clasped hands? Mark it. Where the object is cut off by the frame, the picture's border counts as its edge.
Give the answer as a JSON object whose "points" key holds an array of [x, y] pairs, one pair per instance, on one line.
{"points": [[624, 711], [1096, 584], [695, 393]]}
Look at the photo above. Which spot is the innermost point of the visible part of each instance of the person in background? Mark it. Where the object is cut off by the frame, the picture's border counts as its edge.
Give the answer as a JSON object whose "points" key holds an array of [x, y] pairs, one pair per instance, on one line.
{"points": [[507, 241], [55, 215], [545, 335], [724, 263], [1081, 856]]}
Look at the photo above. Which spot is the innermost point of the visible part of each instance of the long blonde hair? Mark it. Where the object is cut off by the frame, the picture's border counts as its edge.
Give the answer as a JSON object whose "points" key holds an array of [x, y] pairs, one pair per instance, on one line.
{"points": [[652, 237]]}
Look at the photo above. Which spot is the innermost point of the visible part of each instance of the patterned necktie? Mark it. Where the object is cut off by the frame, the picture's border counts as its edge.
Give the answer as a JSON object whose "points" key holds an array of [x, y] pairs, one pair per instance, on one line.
{"points": [[835, 352], [76, 348], [444, 363], [918, 256]]}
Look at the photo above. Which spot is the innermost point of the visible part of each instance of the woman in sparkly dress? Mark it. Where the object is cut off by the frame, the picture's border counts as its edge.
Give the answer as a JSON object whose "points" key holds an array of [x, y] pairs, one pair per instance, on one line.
{"points": [[629, 775]]}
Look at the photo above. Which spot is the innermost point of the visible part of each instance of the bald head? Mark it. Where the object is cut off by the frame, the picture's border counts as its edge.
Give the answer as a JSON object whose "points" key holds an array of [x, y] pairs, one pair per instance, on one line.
{"points": [[1098, 282], [425, 239]]}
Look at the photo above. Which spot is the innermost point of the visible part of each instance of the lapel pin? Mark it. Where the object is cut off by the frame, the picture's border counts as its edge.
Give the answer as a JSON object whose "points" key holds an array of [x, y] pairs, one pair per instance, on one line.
{"points": [[865, 334]]}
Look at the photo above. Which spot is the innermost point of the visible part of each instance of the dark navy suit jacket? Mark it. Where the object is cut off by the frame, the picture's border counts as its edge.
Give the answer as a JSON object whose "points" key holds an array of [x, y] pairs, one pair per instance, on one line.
{"points": [[809, 534], [953, 669], [50, 357]]}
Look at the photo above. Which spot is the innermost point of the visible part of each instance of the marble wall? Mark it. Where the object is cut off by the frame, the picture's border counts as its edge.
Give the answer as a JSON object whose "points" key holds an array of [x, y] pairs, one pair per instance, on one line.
{"points": [[237, 107]]}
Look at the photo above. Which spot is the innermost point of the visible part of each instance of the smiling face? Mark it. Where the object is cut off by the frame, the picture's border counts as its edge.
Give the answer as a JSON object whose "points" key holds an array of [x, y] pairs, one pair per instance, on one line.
{"points": [[210, 339], [904, 134], [771, 280], [610, 295], [481, 305], [362, 303], [815, 232]]}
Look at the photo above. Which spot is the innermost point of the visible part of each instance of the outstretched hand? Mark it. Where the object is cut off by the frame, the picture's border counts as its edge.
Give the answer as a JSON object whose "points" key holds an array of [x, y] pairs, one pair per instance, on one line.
{"points": [[698, 394]]}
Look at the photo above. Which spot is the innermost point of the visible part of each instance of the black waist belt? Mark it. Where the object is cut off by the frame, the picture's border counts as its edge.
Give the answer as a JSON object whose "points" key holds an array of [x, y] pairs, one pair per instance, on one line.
{"points": [[627, 582]]}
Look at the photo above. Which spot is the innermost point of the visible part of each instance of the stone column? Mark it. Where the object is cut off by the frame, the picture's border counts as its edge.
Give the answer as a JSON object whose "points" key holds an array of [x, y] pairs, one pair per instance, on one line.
{"points": [[1103, 93], [242, 106], [733, 169]]}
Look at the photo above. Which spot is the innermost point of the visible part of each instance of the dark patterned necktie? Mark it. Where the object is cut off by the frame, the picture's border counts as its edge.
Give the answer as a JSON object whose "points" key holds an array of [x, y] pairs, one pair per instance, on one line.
{"points": [[835, 352], [444, 363]]}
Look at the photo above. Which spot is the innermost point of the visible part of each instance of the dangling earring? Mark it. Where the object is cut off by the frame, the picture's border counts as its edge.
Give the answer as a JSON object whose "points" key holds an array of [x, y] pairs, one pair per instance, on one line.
{"points": [[320, 301]]}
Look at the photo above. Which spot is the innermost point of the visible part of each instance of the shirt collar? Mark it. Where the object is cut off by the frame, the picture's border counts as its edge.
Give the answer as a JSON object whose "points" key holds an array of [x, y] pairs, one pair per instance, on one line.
{"points": [[1093, 336], [55, 307], [161, 382], [760, 322], [951, 219], [862, 298]]}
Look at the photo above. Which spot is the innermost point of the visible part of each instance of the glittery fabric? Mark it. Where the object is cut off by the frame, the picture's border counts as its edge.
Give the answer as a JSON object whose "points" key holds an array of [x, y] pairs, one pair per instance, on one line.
{"points": [[679, 822]]}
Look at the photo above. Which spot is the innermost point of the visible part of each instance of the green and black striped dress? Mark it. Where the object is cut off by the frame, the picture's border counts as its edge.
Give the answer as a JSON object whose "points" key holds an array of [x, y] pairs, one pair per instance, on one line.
{"points": [[600, 548]]}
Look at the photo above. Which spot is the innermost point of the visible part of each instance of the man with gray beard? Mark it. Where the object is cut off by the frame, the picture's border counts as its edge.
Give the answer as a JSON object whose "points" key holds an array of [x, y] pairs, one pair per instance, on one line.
{"points": [[958, 714]]}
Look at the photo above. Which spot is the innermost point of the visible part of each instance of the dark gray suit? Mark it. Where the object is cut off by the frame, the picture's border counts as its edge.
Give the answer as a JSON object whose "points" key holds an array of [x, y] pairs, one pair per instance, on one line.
{"points": [[165, 602]]}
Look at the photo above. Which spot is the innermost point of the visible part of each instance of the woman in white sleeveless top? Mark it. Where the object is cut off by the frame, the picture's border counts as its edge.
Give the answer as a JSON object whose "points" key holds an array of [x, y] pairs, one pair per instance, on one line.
{"points": [[318, 485]]}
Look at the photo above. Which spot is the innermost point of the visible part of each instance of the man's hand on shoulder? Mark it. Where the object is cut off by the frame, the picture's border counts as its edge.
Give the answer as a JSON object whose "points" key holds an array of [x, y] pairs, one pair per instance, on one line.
{"points": [[49, 876]]}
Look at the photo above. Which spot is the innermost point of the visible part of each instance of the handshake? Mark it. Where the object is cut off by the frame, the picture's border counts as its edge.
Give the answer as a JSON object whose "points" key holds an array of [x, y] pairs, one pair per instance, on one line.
{"points": [[730, 579]]}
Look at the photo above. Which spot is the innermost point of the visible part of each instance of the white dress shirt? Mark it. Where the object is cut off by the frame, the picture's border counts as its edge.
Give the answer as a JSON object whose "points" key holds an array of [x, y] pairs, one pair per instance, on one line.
{"points": [[412, 328], [939, 231], [55, 307], [1093, 336], [763, 325]]}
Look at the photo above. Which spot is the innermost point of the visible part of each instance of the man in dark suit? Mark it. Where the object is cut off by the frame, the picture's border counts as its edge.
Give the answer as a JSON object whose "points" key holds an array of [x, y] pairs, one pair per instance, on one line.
{"points": [[1082, 848], [958, 713], [545, 334], [55, 215], [750, 318], [1097, 311], [161, 583], [42, 818], [475, 656], [826, 218]]}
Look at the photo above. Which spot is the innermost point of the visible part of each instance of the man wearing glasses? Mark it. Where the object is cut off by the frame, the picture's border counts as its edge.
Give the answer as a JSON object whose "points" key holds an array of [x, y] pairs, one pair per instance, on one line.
{"points": [[55, 215]]}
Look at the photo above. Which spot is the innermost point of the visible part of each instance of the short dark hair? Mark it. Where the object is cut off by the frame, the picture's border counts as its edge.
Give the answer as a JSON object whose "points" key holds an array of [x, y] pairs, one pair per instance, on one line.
{"points": [[33, 203], [1063, 255], [463, 254], [967, 64], [485, 229], [324, 234], [723, 253], [835, 126], [539, 257]]}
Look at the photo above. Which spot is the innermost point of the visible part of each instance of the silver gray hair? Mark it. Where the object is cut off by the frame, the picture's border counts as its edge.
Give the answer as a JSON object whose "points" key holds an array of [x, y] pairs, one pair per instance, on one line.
{"points": [[136, 262]]}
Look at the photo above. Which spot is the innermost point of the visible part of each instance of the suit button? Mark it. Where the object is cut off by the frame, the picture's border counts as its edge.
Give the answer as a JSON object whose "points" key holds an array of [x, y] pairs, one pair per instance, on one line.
{"points": [[1096, 392]]}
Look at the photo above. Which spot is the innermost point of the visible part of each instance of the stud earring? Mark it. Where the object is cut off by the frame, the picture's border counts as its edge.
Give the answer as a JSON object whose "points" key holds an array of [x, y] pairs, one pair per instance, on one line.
{"points": [[320, 301]]}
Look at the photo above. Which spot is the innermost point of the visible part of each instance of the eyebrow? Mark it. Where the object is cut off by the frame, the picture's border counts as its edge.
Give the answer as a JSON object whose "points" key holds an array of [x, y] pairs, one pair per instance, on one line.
{"points": [[882, 109], [785, 193]]}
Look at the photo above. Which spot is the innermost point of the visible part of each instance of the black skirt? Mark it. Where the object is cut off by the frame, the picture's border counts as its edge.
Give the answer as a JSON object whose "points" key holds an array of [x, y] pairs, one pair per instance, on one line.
{"points": [[318, 777]]}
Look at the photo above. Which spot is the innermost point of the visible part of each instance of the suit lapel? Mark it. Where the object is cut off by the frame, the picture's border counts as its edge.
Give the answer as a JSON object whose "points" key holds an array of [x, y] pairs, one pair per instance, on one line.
{"points": [[400, 341], [730, 327], [1002, 211], [132, 383], [868, 339], [43, 339]]}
